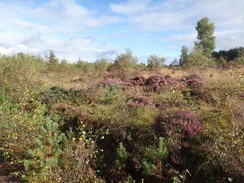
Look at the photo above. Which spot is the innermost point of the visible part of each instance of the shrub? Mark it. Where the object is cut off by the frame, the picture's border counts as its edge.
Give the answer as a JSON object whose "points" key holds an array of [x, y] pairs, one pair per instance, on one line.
{"points": [[154, 163], [20, 73], [78, 160], [109, 82], [139, 80], [193, 81], [159, 81], [18, 126], [180, 121], [101, 65], [178, 127], [45, 153], [112, 94], [123, 64], [197, 57], [56, 94], [85, 67], [155, 61]]}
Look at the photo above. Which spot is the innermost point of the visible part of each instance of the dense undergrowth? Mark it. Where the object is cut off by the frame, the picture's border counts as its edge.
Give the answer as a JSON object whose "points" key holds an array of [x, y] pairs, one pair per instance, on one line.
{"points": [[64, 123]]}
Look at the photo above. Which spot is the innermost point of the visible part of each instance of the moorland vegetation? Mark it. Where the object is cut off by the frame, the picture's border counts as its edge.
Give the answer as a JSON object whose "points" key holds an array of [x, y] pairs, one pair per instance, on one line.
{"points": [[123, 121]]}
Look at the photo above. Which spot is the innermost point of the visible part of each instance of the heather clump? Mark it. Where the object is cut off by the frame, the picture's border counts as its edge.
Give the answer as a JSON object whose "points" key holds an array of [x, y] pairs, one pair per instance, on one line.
{"points": [[193, 81], [180, 121], [181, 130], [109, 82], [159, 81], [138, 80]]}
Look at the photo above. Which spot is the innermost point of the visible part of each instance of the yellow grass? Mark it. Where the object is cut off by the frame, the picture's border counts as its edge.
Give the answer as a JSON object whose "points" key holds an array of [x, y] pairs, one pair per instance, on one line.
{"points": [[62, 80]]}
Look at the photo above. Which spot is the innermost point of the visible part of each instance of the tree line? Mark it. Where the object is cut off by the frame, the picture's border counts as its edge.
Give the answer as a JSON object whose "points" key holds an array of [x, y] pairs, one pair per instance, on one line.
{"points": [[201, 54]]}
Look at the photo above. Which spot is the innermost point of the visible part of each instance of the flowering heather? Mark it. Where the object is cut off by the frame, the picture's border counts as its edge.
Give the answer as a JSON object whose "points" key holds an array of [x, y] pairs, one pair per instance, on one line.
{"points": [[109, 82], [139, 80], [181, 121], [159, 81], [155, 79], [141, 101], [193, 81]]}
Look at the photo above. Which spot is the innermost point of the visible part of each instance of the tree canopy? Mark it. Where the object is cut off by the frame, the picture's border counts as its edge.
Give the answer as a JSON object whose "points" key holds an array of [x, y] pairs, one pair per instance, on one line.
{"points": [[205, 36]]}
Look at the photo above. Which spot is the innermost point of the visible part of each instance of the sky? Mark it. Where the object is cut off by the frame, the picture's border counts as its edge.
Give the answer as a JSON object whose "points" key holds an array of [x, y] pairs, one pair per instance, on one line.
{"points": [[91, 29]]}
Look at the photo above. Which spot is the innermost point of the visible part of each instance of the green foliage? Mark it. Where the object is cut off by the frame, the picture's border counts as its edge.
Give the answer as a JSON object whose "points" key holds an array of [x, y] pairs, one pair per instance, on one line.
{"points": [[235, 54], [85, 67], [122, 156], [202, 52], [3, 96], [154, 163], [221, 60], [20, 73], [18, 124], [224, 152], [45, 153], [155, 61], [197, 57], [101, 65], [205, 36], [128, 180], [112, 94], [65, 67], [184, 56], [52, 59], [161, 151], [124, 63], [140, 66], [176, 176], [55, 95]]}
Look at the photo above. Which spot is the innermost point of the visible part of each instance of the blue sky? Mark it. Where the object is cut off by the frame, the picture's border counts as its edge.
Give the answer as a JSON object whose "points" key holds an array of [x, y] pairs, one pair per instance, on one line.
{"points": [[90, 29]]}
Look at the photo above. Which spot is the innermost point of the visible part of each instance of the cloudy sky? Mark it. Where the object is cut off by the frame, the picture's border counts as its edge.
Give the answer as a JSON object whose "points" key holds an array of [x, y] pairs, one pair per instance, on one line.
{"points": [[90, 29]]}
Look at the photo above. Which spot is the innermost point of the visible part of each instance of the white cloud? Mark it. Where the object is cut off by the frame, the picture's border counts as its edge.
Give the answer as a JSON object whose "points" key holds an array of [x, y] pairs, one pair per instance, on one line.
{"points": [[229, 39], [175, 14], [178, 16], [181, 39], [130, 7], [106, 53], [36, 30]]}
